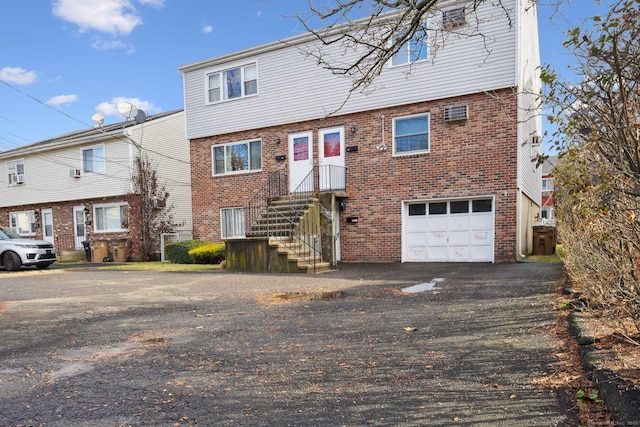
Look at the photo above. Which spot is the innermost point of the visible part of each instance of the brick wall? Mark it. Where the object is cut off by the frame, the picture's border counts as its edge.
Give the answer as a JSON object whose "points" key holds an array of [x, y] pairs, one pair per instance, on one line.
{"points": [[467, 158]]}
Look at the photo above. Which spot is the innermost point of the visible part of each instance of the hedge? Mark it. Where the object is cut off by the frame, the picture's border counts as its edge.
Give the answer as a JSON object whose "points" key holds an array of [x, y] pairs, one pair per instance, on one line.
{"points": [[178, 252], [211, 253]]}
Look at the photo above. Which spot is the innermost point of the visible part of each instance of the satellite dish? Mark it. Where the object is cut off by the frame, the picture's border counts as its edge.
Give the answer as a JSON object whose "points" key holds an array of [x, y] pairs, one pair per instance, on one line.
{"points": [[98, 119], [140, 117], [127, 110]]}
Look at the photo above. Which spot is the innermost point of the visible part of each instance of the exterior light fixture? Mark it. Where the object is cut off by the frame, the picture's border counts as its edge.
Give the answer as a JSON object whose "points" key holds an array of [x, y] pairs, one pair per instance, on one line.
{"points": [[353, 129]]}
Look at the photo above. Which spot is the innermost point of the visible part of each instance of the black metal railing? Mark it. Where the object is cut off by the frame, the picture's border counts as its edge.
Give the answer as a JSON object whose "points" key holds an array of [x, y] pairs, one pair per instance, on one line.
{"points": [[258, 204], [303, 234]]}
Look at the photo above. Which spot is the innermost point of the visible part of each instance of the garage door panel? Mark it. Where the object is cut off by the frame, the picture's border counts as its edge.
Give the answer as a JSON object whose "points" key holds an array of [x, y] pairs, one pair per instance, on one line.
{"points": [[457, 231]]}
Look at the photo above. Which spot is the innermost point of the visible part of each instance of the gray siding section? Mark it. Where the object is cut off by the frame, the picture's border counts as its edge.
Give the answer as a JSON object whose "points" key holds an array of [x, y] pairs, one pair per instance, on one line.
{"points": [[292, 87]]}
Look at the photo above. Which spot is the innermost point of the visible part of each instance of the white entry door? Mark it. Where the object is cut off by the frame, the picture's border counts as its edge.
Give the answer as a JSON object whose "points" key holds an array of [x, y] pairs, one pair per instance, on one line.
{"points": [[79, 226], [331, 151], [47, 225], [300, 159]]}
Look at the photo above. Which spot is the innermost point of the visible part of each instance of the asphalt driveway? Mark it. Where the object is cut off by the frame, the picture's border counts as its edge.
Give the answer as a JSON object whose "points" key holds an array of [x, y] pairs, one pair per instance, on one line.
{"points": [[349, 347]]}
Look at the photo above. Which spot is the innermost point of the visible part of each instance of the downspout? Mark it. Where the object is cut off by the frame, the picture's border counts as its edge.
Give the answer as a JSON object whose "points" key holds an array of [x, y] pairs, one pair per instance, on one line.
{"points": [[518, 250]]}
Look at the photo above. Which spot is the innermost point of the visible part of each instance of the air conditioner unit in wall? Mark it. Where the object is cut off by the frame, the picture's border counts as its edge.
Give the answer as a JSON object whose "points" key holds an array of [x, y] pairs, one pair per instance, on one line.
{"points": [[76, 173], [455, 113], [453, 17], [19, 179]]}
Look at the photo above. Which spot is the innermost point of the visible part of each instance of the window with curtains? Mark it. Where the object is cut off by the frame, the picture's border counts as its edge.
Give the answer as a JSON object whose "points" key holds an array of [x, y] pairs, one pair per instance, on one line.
{"points": [[232, 222], [111, 217]]}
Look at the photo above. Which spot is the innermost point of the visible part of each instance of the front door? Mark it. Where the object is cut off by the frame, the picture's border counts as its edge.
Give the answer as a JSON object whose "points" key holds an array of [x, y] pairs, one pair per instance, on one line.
{"points": [[301, 161], [331, 159], [79, 226], [47, 225]]}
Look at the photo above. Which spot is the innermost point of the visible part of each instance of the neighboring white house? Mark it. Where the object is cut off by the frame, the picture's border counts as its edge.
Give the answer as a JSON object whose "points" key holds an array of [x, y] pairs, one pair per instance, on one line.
{"points": [[435, 162], [72, 188]]}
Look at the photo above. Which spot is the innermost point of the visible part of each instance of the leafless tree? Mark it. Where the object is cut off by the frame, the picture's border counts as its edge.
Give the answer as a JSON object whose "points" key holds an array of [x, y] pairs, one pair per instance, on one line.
{"points": [[378, 29]]}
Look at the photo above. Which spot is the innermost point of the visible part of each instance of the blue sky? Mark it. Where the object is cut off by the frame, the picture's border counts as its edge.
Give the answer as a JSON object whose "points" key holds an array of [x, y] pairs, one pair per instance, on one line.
{"points": [[61, 61]]}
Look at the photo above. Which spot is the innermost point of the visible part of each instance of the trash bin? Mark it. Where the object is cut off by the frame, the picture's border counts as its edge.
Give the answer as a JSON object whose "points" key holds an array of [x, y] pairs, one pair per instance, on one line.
{"points": [[99, 250], [120, 250], [544, 240], [87, 250]]}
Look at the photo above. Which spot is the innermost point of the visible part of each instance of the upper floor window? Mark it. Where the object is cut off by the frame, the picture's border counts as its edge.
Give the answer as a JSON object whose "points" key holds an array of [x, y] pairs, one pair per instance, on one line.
{"points": [[23, 223], [93, 159], [237, 157], [232, 83], [413, 50], [411, 134], [15, 172], [111, 217], [547, 184]]}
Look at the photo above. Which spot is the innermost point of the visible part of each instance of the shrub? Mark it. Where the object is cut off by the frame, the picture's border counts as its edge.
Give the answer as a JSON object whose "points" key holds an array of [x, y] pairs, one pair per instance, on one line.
{"points": [[178, 252], [211, 253]]}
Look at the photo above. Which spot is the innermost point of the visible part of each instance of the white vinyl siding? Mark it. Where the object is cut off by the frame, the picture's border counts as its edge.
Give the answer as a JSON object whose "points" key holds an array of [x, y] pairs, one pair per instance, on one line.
{"points": [[465, 65]]}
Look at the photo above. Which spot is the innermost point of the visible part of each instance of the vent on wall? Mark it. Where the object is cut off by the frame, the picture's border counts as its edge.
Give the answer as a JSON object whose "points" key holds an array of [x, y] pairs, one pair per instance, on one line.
{"points": [[453, 17], [455, 113]]}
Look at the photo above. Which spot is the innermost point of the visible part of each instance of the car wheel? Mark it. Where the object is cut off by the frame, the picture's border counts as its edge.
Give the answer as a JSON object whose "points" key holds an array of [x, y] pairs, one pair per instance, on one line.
{"points": [[11, 261], [42, 266]]}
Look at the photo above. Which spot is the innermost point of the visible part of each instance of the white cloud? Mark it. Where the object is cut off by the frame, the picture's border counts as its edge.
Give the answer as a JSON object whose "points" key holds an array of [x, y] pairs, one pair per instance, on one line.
{"points": [[101, 44], [18, 75], [206, 29], [154, 3], [110, 108], [62, 99], [107, 16]]}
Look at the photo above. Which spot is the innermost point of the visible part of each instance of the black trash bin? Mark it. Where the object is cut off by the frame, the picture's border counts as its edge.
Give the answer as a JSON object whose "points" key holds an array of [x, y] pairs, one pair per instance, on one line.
{"points": [[87, 250]]}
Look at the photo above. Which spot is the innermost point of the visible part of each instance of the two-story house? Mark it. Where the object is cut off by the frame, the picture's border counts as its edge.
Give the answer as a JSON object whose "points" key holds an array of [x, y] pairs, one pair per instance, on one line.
{"points": [[432, 165], [73, 188]]}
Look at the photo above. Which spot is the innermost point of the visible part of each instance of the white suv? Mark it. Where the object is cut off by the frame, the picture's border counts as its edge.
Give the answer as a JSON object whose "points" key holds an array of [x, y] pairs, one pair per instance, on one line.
{"points": [[16, 251]]}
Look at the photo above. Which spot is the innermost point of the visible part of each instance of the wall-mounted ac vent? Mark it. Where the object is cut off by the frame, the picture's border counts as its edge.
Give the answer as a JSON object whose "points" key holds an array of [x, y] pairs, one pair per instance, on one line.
{"points": [[19, 179], [76, 173], [158, 203], [455, 113], [453, 17]]}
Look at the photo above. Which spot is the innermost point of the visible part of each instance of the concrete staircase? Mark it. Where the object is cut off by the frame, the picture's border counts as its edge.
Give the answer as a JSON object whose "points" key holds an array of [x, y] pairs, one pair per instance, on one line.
{"points": [[292, 229]]}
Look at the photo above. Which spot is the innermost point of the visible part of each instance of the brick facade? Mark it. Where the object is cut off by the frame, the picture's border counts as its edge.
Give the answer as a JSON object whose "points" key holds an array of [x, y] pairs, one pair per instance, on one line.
{"points": [[63, 227], [474, 157]]}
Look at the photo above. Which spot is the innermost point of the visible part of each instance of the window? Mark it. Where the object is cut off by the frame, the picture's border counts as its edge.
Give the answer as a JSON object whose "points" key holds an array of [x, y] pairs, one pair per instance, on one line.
{"points": [[547, 184], [237, 157], [481, 205], [93, 160], [15, 172], [413, 50], [417, 209], [459, 207], [234, 83], [411, 134], [232, 222], [111, 217], [23, 223]]}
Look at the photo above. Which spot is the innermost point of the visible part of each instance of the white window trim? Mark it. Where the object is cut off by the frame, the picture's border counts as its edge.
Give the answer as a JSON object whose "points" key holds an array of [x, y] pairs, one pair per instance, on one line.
{"points": [[222, 227], [220, 79], [248, 142], [108, 205], [411, 153], [104, 159], [32, 221], [407, 48], [13, 164]]}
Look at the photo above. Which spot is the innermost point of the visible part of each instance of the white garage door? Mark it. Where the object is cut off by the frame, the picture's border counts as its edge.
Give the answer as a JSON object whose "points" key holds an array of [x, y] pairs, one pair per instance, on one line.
{"points": [[446, 231]]}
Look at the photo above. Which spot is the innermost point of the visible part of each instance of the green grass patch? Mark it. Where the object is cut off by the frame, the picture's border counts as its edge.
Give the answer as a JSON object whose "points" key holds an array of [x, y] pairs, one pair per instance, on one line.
{"points": [[556, 257]]}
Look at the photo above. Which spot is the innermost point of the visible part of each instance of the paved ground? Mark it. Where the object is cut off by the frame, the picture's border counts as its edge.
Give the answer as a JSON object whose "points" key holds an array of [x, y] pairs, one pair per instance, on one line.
{"points": [[112, 348]]}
